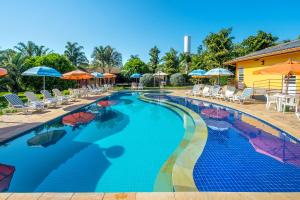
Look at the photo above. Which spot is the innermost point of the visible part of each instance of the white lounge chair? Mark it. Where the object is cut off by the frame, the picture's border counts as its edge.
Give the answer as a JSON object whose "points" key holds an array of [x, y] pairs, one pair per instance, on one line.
{"points": [[63, 98], [49, 97], [245, 96], [206, 91], [193, 90], [34, 100], [134, 86], [215, 91], [15, 102], [140, 86], [229, 93]]}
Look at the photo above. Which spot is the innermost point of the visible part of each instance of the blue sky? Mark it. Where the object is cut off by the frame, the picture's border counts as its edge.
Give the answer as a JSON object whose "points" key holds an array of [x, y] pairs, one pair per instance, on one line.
{"points": [[134, 26]]}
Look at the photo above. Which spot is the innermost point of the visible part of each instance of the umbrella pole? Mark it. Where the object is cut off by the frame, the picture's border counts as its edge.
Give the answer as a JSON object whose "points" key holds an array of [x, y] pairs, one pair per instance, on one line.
{"points": [[44, 82]]}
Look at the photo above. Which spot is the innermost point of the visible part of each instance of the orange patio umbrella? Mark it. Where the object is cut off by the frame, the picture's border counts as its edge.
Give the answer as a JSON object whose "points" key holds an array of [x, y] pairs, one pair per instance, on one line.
{"points": [[77, 75], [109, 75], [289, 67], [3, 72]]}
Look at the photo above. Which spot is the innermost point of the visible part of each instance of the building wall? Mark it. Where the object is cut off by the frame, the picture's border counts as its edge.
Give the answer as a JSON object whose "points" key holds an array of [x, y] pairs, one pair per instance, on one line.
{"points": [[253, 65]]}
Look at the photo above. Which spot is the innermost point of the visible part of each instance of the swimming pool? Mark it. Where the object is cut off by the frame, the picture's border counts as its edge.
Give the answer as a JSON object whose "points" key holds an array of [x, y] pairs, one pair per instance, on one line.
{"points": [[242, 153], [123, 143]]}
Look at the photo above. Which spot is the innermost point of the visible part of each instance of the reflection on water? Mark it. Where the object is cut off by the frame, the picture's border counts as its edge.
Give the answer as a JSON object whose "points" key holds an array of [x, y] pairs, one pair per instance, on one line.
{"points": [[242, 153], [46, 139], [6, 174]]}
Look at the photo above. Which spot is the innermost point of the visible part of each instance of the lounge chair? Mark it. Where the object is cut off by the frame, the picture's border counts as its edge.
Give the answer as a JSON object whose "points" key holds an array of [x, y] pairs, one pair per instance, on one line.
{"points": [[64, 98], [140, 86], [215, 91], [49, 97], [92, 90], [227, 94], [34, 100], [245, 96], [134, 86], [100, 90], [193, 90], [15, 102], [207, 91]]}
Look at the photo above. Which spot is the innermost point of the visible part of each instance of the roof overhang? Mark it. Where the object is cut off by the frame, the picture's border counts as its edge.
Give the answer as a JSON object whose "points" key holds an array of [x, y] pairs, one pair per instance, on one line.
{"points": [[275, 53]]}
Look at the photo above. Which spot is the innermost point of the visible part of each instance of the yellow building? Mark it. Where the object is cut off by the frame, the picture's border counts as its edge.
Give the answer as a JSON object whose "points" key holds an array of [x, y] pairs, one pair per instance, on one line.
{"points": [[246, 65]]}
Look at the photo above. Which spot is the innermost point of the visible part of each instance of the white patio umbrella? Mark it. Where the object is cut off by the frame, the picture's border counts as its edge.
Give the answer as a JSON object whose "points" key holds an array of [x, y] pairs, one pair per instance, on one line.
{"points": [[219, 72]]}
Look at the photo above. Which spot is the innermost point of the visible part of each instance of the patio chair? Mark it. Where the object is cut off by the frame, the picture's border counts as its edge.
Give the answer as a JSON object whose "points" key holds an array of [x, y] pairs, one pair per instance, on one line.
{"points": [[49, 97], [245, 96], [34, 100], [140, 86], [271, 99], [15, 102], [297, 111], [57, 93], [291, 102]]}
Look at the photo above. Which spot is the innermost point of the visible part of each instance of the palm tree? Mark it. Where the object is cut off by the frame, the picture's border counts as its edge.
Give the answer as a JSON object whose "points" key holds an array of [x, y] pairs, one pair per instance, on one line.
{"points": [[106, 57], [31, 49], [13, 62], [75, 54]]}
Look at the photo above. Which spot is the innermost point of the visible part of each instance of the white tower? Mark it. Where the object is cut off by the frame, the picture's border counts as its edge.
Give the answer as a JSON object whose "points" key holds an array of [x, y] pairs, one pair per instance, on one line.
{"points": [[187, 44]]}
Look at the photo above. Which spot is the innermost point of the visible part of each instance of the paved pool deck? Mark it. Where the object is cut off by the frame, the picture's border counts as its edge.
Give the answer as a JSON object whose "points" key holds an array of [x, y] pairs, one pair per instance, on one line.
{"points": [[151, 196], [11, 125]]}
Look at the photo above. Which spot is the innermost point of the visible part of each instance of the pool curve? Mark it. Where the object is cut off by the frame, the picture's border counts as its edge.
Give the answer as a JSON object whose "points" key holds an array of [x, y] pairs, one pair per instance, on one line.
{"points": [[221, 149]]}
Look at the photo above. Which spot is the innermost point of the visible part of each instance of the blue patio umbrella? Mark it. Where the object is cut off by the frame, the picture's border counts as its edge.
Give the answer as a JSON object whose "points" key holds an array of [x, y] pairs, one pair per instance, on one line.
{"points": [[136, 76], [42, 71], [97, 75], [219, 72], [197, 72]]}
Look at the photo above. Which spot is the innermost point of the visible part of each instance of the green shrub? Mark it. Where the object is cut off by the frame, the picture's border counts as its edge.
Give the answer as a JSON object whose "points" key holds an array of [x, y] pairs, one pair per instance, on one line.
{"points": [[147, 80], [177, 79]]}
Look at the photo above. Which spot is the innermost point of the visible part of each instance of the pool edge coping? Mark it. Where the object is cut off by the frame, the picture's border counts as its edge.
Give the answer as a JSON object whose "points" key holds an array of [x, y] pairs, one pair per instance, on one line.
{"points": [[182, 172]]}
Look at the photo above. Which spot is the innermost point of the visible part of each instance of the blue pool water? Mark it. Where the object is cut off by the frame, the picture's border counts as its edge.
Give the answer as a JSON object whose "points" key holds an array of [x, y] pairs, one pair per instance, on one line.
{"points": [[121, 149], [243, 153]]}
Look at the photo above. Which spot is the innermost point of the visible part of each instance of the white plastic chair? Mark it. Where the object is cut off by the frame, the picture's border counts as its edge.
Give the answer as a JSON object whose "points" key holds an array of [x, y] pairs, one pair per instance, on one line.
{"points": [[271, 99]]}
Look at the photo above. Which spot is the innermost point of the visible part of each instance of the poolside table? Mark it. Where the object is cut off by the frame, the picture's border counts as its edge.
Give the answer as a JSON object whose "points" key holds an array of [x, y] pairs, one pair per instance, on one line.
{"points": [[280, 98]]}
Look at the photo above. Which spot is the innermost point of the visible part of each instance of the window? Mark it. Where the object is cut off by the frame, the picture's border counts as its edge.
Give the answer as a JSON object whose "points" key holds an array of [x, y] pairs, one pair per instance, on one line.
{"points": [[241, 74]]}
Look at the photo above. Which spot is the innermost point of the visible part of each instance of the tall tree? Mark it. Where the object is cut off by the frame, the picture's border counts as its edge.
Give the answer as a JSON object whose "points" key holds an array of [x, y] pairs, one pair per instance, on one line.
{"points": [[31, 49], [154, 58], [14, 64], [185, 61], [259, 41], [106, 57], [74, 52], [134, 65], [219, 46], [171, 62]]}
